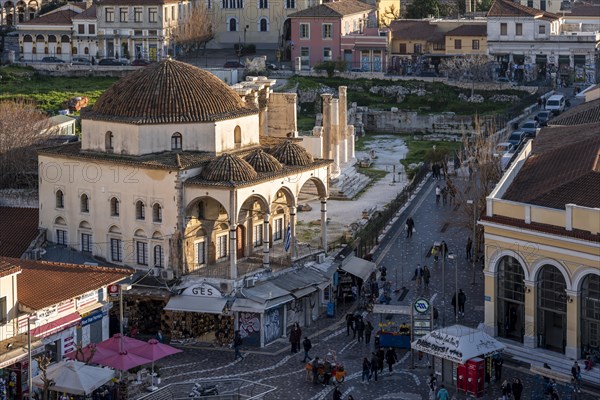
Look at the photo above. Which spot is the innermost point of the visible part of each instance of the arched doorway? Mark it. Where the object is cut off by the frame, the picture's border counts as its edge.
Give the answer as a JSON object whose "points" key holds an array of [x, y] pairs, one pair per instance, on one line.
{"points": [[590, 316], [511, 299], [240, 233], [552, 309]]}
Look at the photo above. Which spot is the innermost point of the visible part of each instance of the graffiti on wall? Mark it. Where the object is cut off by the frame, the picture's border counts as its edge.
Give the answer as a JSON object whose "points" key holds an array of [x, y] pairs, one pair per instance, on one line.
{"points": [[249, 327], [273, 324]]}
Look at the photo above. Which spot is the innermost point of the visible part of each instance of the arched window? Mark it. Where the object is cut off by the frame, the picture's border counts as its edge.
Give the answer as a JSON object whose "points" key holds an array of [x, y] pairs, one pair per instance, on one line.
{"points": [[511, 299], [158, 256], [237, 135], [156, 213], [114, 207], [58, 50], [140, 210], [108, 141], [51, 39], [65, 39], [39, 38], [232, 24], [85, 203], [27, 39], [176, 140], [263, 25], [60, 199], [590, 315], [73, 50], [201, 211], [86, 50]]}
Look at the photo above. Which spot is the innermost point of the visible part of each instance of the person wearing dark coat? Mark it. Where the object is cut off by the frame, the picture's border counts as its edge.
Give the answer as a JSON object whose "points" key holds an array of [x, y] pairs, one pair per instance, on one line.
{"points": [[295, 337], [368, 329], [498, 368], [410, 225], [380, 359], [391, 358], [307, 346], [360, 328], [337, 393], [374, 365], [366, 370], [349, 323], [517, 389], [506, 390]]}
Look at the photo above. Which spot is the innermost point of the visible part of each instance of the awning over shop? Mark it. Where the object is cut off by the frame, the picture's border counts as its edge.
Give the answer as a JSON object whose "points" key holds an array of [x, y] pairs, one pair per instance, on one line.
{"points": [[248, 305], [14, 349], [304, 291], [359, 267], [56, 326], [458, 343], [300, 283], [197, 304]]}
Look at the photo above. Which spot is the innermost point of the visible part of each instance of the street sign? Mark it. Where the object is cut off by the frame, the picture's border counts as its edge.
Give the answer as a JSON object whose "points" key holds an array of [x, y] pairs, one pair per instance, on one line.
{"points": [[421, 306], [113, 290]]}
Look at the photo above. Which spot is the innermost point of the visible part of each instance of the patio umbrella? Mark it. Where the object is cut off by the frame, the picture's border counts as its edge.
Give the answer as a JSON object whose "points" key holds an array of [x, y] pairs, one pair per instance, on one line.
{"points": [[114, 343], [155, 350], [75, 377], [124, 361], [90, 354]]}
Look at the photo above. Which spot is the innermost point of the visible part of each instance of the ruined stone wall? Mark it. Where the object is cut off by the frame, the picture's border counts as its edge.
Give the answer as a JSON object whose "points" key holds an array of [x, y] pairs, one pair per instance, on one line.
{"points": [[282, 114]]}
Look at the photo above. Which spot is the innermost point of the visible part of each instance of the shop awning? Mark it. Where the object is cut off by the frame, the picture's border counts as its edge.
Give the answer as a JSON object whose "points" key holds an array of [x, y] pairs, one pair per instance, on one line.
{"points": [[359, 267], [56, 326], [197, 304], [278, 301], [304, 291], [458, 343], [248, 305], [14, 349]]}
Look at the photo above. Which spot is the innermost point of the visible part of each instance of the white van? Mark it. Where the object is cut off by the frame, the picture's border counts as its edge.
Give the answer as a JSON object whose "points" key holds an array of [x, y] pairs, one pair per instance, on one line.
{"points": [[556, 104]]}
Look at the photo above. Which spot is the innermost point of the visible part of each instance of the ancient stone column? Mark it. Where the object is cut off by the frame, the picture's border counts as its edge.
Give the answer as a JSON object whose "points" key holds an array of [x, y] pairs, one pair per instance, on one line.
{"points": [[335, 135], [350, 142], [327, 140], [266, 250], [343, 112], [324, 223]]}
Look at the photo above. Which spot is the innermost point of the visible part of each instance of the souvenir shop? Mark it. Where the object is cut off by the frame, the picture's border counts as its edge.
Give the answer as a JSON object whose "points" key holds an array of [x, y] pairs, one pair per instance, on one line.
{"points": [[142, 308], [351, 275]]}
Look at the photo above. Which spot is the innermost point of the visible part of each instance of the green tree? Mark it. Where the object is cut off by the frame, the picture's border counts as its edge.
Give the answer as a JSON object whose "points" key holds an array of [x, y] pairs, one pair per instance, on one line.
{"points": [[423, 9]]}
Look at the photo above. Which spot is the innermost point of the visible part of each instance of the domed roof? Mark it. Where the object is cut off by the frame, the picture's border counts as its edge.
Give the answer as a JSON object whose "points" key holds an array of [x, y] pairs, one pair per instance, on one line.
{"points": [[263, 162], [227, 168], [169, 92], [291, 154]]}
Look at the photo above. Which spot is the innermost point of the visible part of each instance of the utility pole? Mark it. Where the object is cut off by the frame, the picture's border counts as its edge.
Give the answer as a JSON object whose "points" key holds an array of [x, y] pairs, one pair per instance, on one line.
{"points": [[475, 245]]}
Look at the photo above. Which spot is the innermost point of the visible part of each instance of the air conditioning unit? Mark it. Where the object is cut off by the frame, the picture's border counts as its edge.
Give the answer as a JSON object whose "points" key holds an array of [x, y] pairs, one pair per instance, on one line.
{"points": [[166, 274], [321, 258], [250, 282]]}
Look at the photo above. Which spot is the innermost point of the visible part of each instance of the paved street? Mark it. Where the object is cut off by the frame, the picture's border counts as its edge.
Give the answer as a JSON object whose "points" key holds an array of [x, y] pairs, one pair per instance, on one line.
{"points": [[275, 365]]}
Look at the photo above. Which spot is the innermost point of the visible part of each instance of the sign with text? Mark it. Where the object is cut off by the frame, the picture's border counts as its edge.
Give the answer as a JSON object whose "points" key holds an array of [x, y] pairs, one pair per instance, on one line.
{"points": [[203, 290], [113, 291]]}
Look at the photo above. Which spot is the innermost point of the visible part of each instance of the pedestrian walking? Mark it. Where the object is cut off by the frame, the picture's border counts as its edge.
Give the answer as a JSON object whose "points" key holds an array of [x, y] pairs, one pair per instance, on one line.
{"points": [[410, 227], [368, 329], [540, 102], [374, 365], [349, 323], [506, 389], [432, 384], [444, 196], [380, 359], [517, 389], [462, 299], [337, 393], [426, 276], [315, 370], [391, 358], [443, 393], [498, 368], [360, 329], [454, 303], [307, 346], [366, 370], [418, 275], [295, 337], [327, 372], [469, 248], [576, 372], [438, 193], [237, 345]]}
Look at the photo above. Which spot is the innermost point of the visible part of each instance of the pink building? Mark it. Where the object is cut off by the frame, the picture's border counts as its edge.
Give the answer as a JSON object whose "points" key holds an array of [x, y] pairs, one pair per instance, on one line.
{"points": [[340, 30]]}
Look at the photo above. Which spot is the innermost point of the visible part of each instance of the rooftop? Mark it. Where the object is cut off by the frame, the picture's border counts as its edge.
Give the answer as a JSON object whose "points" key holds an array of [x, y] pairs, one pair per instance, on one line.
{"points": [[586, 113], [14, 242], [505, 8], [334, 9], [469, 30], [62, 17]]}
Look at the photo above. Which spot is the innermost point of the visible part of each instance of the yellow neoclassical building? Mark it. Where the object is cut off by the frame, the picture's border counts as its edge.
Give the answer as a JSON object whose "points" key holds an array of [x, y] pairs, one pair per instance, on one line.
{"points": [[542, 242]]}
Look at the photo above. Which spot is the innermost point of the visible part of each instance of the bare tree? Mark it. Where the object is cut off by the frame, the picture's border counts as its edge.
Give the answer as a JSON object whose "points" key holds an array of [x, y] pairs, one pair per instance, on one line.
{"points": [[471, 67], [43, 363], [388, 15], [198, 30], [80, 354], [22, 129]]}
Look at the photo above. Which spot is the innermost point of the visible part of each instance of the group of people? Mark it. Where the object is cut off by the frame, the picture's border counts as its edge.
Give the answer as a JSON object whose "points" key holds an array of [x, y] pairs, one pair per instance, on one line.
{"points": [[512, 390], [361, 330], [371, 368], [422, 276], [443, 193]]}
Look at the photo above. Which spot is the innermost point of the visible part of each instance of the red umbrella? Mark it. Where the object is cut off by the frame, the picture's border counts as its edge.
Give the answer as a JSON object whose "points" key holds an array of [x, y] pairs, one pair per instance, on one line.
{"points": [[90, 354], [114, 343], [155, 350], [124, 361]]}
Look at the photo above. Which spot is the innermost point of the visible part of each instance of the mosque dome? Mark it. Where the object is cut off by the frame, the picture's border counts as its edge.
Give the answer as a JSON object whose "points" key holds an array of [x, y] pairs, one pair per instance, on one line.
{"points": [[169, 92], [290, 153], [263, 162], [228, 167]]}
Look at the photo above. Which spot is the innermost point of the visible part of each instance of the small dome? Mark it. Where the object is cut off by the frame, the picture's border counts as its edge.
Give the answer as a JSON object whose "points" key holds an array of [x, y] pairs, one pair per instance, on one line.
{"points": [[168, 92], [292, 154], [263, 162], [227, 168]]}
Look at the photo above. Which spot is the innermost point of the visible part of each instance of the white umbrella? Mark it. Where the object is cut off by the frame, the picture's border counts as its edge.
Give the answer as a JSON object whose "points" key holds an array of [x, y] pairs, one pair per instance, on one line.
{"points": [[458, 343], [75, 377]]}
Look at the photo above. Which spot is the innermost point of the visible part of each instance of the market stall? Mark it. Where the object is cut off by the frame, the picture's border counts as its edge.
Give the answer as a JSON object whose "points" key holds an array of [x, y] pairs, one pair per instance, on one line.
{"points": [[352, 274], [460, 354]]}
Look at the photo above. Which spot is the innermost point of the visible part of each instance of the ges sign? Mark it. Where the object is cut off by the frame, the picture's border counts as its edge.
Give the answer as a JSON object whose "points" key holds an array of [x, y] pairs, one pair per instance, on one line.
{"points": [[203, 290]]}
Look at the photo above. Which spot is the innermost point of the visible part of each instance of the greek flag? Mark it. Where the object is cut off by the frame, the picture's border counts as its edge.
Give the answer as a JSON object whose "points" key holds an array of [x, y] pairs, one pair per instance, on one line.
{"points": [[288, 238]]}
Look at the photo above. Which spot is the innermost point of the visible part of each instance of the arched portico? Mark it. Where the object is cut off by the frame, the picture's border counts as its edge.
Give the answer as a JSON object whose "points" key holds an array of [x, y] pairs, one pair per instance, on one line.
{"points": [[510, 298], [551, 318]]}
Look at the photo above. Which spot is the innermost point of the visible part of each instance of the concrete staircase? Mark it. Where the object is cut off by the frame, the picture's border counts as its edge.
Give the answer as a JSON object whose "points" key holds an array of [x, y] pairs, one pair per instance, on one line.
{"points": [[558, 362], [348, 184]]}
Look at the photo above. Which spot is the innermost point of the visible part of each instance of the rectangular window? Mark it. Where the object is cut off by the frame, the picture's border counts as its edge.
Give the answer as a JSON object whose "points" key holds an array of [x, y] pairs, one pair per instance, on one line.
{"points": [[142, 252], [304, 31], [81, 29], [418, 48], [543, 5], [209, 4], [91, 29], [110, 15], [327, 31], [457, 44], [152, 15], [519, 29], [475, 44], [173, 13], [200, 249], [530, 3], [263, 4], [116, 253], [290, 3], [258, 235], [158, 256], [222, 247], [61, 237], [503, 29], [278, 229], [402, 48], [86, 242], [542, 29], [123, 11], [137, 14], [3, 313], [439, 46], [327, 54]]}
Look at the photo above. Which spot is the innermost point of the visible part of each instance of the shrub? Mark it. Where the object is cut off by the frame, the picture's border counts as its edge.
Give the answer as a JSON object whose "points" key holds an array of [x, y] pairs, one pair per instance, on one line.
{"points": [[327, 66], [246, 48]]}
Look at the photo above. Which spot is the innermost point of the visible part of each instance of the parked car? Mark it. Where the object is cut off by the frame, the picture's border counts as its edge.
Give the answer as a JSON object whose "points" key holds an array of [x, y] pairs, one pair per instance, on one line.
{"points": [[503, 148], [272, 67], [110, 61], [139, 62], [516, 139], [80, 61], [233, 64], [503, 79], [543, 117], [52, 60], [531, 128], [506, 159], [556, 104]]}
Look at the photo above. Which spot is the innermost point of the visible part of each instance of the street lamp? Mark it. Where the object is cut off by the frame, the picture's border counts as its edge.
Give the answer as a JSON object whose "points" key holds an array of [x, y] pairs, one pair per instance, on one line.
{"points": [[30, 318], [452, 256], [475, 245]]}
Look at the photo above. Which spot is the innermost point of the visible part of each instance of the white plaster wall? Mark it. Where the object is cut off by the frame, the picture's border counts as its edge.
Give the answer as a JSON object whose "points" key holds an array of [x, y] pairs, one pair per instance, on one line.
{"points": [[314, 145], [8, 289], [224, 133]]}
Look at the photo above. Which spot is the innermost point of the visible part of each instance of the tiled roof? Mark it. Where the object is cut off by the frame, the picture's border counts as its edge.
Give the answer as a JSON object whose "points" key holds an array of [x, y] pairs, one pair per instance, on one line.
{"points": [[18, 228], [8, 269], [562, 175], [168, 92], [42, 283], [262, 161], [546, 228], [290, 153], [469, 30], [586, 113], [62, 17], [89, 13], [585, 11], [505, 8], [553, 137], [413, 30], [334, 9], [227, 168]]}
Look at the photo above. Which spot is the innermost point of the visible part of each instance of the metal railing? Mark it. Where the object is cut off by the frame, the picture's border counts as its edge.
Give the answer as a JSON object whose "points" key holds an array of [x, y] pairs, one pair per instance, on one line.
{"points": [[228, 389]]}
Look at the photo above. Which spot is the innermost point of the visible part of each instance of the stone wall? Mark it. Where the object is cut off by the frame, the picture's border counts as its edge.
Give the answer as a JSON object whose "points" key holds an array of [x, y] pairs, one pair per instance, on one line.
{"points": [[19, 198], [282, 114]]}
